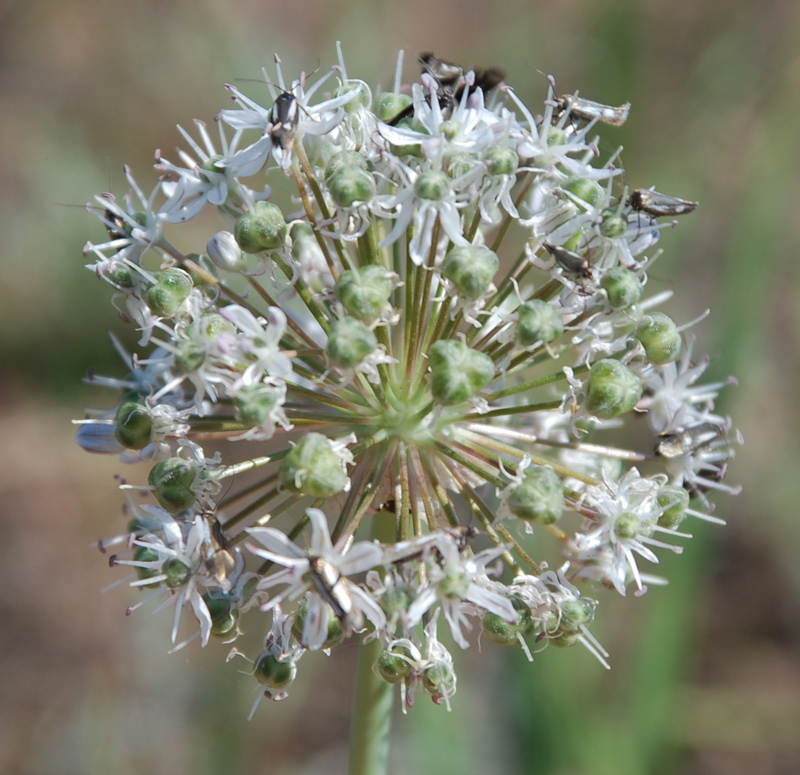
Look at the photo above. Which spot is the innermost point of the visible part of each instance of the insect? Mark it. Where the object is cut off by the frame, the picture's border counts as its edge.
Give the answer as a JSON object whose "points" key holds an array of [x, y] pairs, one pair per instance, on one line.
{"points": [[283, 118], [451, 81], [653, 203], [572, 262], [115, 224], [335, 591], [687, 441], [218, 559], [588, 110]]}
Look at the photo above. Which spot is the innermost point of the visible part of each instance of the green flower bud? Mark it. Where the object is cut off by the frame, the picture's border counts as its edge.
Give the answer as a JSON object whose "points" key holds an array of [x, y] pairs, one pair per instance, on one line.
{"points": [[624, 288], [660, 338], [611, 389], [224, 251], [351, 185], [457, 371], [335, 630], [395, 601], [349, 342], [589, 191], [539, 497], [676, 500], [172, 481], [394, 666], [471, 269], [171, 289], [177, 572], [432, 185], [145, 554], [501, 160], [313, 468], [223, 611], [133, 425], [365, 293], [537, 321], [613, 224], [388, 104], [274, 674], [263, 228], [450, 128], [438, 680]]}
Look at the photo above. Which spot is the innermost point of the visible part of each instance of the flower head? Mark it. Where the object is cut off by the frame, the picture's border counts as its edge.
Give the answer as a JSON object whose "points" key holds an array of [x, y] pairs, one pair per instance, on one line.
{"points": [[440, 335]]}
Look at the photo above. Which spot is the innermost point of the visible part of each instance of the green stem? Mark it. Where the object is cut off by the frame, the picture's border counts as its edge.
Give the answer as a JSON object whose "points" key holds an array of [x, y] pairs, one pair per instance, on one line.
{"points": [[371, 722]]}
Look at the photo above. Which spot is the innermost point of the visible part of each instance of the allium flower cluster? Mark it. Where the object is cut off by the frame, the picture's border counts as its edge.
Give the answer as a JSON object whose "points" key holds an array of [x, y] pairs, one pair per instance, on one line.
{"points": [[441, 335]]}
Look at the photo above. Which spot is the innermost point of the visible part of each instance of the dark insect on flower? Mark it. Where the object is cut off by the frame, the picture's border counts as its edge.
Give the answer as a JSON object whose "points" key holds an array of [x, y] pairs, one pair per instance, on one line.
{"points": [[335, 591], [115, 225], [588, 110], [569, 260], [218, 560], [653, 203], [687, 441], [283, 121]]}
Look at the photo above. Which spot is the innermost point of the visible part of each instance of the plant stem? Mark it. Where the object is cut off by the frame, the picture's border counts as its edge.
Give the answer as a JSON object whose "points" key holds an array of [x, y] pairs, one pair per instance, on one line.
{"points": [[371, 723]]}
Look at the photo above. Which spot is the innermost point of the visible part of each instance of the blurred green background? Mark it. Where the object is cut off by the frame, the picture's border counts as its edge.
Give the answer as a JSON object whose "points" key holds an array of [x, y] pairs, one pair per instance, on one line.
{"points": [[706, 673]]}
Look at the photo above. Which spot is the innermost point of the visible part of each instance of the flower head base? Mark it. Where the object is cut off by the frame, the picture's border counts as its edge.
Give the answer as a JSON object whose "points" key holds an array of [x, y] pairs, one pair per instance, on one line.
{"points": [[383, 365]]}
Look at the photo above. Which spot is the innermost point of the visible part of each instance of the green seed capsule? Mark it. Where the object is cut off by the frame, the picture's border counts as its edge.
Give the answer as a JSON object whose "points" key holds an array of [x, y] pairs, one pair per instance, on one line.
{"points": [[676, 500], [343, 161], [365, 293], [611, 389], [118, 274], [349, 342], [574, 614], [589, 191], [145, 554], [361, 100], [504, 633], [389, 104], [623, 287], [133, 425], [209, 327], [351, 185], [177, 572], [470, 269], [501, 160], [539, 498], [556, 136], [255, 404], [212, 164], [438, 680], [458, 372], [188, 357], [432, 184], [172, 287], [335, 630], [460, 164], [393, 666], [263, 228], [660, 338], [313, 468], [274, 674], [224, 613], [613, 224], [172, 481], [627, 526], [537, 321]]}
